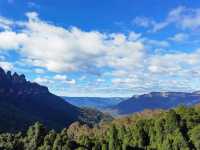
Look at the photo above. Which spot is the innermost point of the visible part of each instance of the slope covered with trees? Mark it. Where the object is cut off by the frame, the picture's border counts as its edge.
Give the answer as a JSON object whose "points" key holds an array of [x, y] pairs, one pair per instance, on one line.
{"points": [[176, 129], [23, 103]]}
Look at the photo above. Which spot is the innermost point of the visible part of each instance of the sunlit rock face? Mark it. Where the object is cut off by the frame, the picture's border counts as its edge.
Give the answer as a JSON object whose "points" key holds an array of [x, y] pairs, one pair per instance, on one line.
{"points": [[157, 100]]}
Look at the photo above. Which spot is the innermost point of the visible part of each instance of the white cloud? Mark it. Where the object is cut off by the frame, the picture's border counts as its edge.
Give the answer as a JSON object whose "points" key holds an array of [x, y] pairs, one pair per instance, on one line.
{"points": [[39, 71], [33, 5], [179, 37], [6, 65], [64, 79], [186, 18], [125, 56], [156, 43], [2, 58], [174, 63], [60, 77], [63, 50], [82, 78], [5, 23], [43, 81], [100, 80], [133, 36], [143, 22], [10, 40], [71, 81], [182, 17], [120, 73], [32, 16]]}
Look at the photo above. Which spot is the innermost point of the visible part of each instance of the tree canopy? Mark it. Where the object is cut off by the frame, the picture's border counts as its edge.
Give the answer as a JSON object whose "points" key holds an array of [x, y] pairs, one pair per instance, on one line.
{"points": [[176, 129]]}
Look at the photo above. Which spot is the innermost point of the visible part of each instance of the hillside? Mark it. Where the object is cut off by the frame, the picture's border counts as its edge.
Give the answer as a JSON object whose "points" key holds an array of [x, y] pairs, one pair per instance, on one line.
{"points": [[22, 103], [176, 129], [156, 100]]}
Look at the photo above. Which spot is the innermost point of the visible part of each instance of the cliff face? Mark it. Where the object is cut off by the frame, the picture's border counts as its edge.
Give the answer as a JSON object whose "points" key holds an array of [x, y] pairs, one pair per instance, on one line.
{"points": [[22, 103], [17, 84], [157, 100]]}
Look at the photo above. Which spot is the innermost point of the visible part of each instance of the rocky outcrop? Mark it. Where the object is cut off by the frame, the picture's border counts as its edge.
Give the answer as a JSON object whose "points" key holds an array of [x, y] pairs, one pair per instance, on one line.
{"points": [[18, 84], [22, 103]]}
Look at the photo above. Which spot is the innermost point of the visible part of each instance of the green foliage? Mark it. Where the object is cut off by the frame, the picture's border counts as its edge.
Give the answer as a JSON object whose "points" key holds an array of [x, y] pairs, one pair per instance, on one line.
{"points": [[35, 136], [195, 136], [11, 141], [114, 142], [172, 121], [48, 141], [177, 129]]}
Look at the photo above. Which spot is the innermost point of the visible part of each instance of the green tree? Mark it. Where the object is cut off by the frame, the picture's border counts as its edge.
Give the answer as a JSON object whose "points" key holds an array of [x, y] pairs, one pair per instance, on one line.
{"points": [[114, 143], [172, 121], [35, 136], [195, 136], [48, 141], [179, 141], [11, 141]]}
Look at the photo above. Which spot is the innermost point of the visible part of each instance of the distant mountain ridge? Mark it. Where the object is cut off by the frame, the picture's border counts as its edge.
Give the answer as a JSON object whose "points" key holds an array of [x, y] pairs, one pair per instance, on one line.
{"points": [[22, 103], [156, 100], [94, 102]]}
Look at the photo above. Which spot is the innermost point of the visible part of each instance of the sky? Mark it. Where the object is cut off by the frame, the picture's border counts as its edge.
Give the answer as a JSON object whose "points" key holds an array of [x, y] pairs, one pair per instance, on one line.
{"points": [[107, 48]]}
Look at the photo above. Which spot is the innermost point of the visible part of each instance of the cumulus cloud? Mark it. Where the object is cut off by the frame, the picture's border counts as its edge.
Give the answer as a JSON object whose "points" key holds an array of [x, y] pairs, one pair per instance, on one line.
{"points": [[162, 72], [10, 40], [174, 63], [63, 50], [123, 58]]}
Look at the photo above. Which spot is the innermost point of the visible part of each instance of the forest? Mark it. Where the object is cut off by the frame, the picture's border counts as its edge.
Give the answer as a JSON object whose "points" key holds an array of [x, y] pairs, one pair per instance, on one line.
{"points": [[174, 129]]}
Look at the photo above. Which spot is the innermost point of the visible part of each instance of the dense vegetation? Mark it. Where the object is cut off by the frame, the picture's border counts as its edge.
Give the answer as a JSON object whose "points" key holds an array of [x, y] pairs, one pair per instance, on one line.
{"points": [[176, 129]]}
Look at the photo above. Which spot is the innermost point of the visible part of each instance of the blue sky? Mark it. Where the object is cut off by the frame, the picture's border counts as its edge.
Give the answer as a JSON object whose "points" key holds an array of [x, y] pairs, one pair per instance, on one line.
{"points": [[103, 48]]}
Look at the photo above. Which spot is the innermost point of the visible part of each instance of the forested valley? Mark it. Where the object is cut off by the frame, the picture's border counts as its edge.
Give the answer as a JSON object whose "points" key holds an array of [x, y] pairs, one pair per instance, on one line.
{"points": [[175, 129]]}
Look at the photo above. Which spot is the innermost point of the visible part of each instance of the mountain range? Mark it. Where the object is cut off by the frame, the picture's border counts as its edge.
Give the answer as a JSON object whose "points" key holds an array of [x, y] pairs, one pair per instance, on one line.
{"points": [[94, 102], [22, 103], [156, 100]]}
